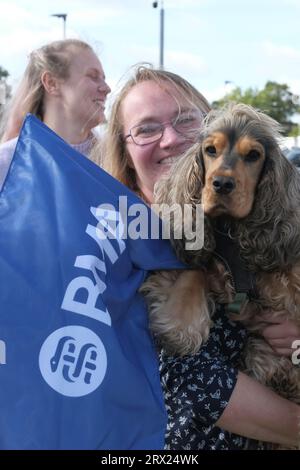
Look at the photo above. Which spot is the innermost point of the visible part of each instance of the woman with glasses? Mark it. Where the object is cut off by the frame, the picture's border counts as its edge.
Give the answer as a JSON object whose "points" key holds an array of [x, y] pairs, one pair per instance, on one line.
{"points": [[150, 127], [154, 119], [64, 86]]}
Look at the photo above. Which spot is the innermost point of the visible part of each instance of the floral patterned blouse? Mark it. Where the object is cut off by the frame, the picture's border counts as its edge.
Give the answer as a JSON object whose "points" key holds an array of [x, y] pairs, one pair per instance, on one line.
{"points": [[197, 390]]}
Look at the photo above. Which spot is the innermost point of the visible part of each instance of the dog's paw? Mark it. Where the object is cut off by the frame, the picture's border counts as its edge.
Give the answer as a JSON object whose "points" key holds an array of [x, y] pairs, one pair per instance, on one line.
{"points": [[179, 311]]}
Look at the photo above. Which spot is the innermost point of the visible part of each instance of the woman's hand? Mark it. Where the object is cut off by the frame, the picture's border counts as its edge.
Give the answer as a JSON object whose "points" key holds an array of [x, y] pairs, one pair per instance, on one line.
{"points": [[280, 333]]}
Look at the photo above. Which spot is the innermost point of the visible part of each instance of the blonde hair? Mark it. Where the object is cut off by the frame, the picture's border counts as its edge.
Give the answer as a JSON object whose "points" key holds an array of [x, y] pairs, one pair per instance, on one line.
{"points": [[55, 58], [116, 160]]}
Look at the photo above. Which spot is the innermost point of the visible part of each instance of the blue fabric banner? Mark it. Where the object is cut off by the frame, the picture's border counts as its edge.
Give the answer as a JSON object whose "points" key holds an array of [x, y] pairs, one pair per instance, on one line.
{"points": [[78, 368]]}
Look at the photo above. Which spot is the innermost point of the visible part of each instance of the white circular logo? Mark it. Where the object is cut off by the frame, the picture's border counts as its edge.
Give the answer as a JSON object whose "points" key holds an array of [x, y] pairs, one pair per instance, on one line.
{"points": [[73, 361]]}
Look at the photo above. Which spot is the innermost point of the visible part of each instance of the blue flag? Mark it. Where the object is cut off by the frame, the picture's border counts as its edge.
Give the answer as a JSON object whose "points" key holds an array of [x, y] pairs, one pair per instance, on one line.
{"points": [[77, 364]]}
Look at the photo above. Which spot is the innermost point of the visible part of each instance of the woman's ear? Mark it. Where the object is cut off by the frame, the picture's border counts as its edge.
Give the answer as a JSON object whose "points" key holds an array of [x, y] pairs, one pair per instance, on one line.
{"points": [[50, 83]]}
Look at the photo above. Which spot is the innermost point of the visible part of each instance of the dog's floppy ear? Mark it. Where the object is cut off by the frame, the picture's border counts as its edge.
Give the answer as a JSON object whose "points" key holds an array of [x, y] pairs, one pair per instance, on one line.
{"points": [[183, 186], [271, 233]]}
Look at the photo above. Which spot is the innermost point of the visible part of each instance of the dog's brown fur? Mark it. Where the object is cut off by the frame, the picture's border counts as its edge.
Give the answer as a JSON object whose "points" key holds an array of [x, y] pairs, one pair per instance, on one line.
{"points": [[239, 174]]}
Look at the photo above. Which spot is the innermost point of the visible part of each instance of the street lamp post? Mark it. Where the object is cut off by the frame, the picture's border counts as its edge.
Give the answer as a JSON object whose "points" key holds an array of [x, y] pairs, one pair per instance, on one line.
{"points": [[161, 35], [64, 17]]}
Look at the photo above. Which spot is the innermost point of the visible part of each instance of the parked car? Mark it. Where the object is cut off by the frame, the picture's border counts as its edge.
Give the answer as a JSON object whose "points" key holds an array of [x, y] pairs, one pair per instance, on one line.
{"points": [[294, 156]]}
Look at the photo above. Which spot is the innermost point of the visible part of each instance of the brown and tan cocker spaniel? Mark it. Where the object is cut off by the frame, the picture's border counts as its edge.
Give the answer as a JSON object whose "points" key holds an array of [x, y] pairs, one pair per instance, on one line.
{"points": [[251, 198]]}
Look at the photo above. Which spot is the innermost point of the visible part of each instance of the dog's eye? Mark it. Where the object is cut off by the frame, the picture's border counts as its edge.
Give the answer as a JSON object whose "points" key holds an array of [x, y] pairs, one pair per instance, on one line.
{"points": [[252, 156], [211, 150]]}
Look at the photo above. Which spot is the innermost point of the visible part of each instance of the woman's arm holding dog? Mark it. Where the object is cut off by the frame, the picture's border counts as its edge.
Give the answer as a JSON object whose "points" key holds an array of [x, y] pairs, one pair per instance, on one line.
{"points": [[257, 412]]}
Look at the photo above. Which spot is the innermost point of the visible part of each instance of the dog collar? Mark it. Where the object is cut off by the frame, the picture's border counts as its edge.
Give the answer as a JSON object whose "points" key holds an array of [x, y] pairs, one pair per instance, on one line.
{"points": [[228, 252]]}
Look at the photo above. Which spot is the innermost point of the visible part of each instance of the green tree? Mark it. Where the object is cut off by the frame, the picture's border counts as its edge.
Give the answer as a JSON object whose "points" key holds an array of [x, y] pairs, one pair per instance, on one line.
{"points": [[5, 93], [3, 73], [5, 88], [274, 99]]}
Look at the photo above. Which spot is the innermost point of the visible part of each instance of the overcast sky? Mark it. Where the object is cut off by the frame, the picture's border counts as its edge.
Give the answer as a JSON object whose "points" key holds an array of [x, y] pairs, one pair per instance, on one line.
{"points": [[246, 42]]}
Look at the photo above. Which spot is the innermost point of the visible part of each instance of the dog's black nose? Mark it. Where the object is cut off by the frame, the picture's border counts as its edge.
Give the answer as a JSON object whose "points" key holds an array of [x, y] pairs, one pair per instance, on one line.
{"points": [[223, 184]]}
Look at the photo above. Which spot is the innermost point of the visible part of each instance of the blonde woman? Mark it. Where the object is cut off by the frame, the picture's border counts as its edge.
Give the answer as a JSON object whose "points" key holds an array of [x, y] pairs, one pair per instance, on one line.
{"points": [[155, 117], [118, 155], [63, 85]]}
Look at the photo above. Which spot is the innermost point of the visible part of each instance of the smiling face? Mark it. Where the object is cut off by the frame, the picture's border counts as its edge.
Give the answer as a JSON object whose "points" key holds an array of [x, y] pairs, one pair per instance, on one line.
{"points": [[84, 92], [233, 165], [147, 105]]}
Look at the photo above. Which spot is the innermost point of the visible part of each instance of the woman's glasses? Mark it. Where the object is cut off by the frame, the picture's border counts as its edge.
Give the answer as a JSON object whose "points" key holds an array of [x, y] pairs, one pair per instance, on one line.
{"points": [[186, 124]]}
